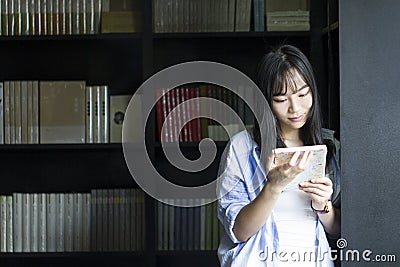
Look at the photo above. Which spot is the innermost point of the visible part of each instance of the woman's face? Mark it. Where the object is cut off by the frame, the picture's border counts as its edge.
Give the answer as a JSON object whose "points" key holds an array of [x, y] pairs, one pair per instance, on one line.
{"points": [[292, 109]]}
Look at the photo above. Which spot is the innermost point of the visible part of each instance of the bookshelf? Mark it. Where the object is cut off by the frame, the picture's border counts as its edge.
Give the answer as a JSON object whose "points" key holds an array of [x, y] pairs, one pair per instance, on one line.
{"points": [[123, 61]]}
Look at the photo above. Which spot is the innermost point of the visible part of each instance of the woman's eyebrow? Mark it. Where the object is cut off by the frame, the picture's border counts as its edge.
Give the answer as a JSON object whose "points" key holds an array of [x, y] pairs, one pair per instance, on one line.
{"points": [[301, 88]]}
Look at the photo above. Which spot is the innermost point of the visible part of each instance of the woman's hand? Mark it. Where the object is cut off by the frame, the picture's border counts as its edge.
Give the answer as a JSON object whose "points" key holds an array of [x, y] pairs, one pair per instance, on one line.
{"points": [[320, 191], [280, 176]]}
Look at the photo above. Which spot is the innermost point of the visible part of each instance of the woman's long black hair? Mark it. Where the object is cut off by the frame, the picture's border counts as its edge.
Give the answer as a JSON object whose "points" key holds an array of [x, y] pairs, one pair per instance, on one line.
{"points": [[275, 75]]}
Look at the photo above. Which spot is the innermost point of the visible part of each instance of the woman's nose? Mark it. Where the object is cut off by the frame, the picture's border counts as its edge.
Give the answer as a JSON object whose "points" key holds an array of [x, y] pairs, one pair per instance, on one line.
{"points": [[293, 105]]}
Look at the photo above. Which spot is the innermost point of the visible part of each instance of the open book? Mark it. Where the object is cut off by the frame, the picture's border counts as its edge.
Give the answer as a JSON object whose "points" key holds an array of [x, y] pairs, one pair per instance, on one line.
{"points": [[316, 167]]}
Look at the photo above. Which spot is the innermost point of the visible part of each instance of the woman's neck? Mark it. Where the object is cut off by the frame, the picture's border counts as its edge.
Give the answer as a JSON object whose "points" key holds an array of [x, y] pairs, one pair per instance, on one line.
{"points": [[291, 137]]}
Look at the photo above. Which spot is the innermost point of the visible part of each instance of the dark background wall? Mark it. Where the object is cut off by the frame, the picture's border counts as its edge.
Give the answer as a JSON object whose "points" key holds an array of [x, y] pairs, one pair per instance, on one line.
{"points": [[370, 126]]}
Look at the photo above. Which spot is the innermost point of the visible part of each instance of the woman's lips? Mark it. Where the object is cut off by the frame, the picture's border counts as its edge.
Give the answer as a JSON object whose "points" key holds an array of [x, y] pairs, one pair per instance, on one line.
{"points": [[296, 119]]}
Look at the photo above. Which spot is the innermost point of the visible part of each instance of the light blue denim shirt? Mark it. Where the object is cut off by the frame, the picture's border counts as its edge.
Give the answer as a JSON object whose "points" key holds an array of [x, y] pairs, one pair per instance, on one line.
{"points": [[241, 178]]}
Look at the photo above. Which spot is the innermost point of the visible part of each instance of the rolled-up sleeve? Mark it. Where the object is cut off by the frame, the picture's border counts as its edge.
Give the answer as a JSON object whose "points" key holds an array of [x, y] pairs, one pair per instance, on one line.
{"points": [[232, 190]]}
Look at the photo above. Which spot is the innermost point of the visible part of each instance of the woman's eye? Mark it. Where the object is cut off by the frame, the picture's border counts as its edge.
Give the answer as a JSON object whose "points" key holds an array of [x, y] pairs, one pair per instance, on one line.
{"points": [[279, 100]]}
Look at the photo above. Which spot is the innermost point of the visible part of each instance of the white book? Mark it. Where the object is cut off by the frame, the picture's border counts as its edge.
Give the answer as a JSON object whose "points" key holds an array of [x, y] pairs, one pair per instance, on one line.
{"points": [[34, 223], [77, 232], [76, 27], [12, 112], [11, 18], [10, 229], [42, 223], [60, 211], [3, 223], [105, 114], [25, 25], [26, 225], [69, 222], [63, 16], [97, 117], [24, 112], [32, 22], [89, 114], [68, 14], [50, 17], [90, 17], [51, 221], [17, 221], [86, 222], [35, 113], [6, 110], [30, 112], [17, 112]]}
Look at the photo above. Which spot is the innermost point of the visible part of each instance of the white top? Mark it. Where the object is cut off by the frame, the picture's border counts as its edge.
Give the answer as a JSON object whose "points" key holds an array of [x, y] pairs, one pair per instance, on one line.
{"points": [[296, 224]]}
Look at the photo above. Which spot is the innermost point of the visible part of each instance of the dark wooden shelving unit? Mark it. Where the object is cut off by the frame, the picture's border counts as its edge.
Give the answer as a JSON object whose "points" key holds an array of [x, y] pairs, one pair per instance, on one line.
{"points": [[124, 61]]}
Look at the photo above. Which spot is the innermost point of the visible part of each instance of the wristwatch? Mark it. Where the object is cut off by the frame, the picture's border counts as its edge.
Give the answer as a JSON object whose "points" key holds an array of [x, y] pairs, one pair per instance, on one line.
{"points": [[324, 210]]}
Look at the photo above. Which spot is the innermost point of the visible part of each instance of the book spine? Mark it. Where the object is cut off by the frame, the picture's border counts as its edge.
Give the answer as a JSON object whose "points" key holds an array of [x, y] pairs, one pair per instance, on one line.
{"points": [[7, 126], [76, 27], [34, 223], [1, 112], [3, 223], [105, 114], [60, 228], [69, 222], [86, 222], [26, 226], [93, 221], [51, 220], [17, 221], [24, 112], [42, 214], [82, 16], [25, 15], [35, 113], [4, 17], [89, 114], [77, 232], [57, 17], [9, 227], [68, 17]]}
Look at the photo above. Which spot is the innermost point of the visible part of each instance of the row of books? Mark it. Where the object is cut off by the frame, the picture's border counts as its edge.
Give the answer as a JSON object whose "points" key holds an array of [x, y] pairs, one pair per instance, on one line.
{"points": [[188, 228], [33, 112], [103, 220], [50, 17], [201, 15], [229, 15], [198, 128]]}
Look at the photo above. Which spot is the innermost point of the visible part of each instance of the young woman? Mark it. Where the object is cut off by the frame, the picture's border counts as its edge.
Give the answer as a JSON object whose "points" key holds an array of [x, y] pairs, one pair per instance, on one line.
{"points": [[271, 218]]}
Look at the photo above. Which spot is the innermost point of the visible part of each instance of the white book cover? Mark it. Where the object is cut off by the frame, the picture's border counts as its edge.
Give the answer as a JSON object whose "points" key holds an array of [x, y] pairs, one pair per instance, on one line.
{"points": [[34, 223], [35, 112], [29, 123], [42, 223], [17, 221], [10, 229], [315, 169], [26, 225], [97, 117], [24, 112], [51, 221], [105, 114], [77, 232], [89, 114], [17, 112], [60, 211], [3, 223], [6, 112]]}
